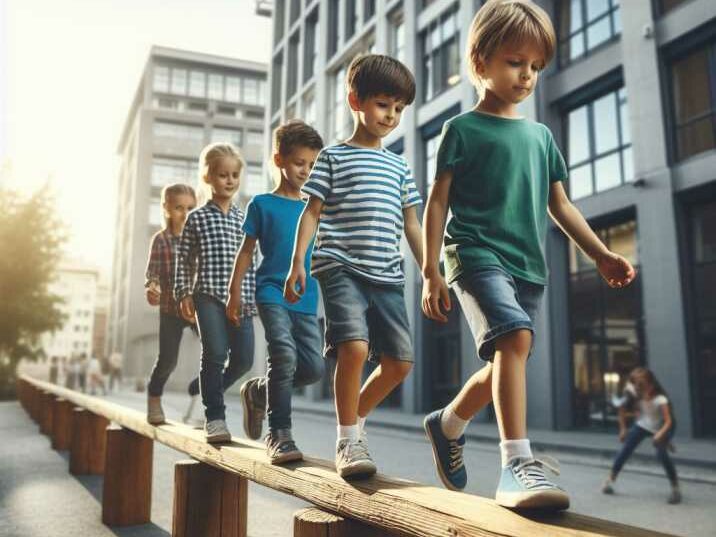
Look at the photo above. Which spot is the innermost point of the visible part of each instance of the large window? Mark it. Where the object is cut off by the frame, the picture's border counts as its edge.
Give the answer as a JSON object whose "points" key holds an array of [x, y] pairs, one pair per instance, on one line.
{"points": [[178, 85], [586, 24], [292, 80], [694, 101], [216, 86], [179, 131], [276, 83], [226, 135], [233, 89], [368, 9], [340, 116], [333, 19], [441, 54], [599, 145], [279, 18], [351, 17], [161, 79], [606, 329], [173, 170], [397, 35], [310, 48], [309, 109], [197, 84]]}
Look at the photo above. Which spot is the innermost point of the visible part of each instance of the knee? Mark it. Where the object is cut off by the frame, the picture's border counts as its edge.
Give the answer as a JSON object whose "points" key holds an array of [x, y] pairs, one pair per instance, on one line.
{"points": [[396, 369], [517, 342]]}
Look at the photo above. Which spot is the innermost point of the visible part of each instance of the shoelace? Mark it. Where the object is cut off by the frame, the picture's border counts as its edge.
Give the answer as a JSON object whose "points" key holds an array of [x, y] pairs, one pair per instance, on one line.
{"points": [[530, 472], [355, 450], [455, 454]]}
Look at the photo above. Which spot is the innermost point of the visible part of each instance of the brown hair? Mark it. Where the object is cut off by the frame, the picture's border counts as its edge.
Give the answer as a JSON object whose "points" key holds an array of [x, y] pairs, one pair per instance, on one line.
{"points": [[176, 189], [295, 133], [507, 21], [376, 74]]}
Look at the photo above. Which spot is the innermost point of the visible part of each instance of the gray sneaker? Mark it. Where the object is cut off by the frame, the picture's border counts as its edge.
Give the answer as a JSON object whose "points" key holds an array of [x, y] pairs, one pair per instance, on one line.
{"points": [[281, 448], [253, 401], [217, 432], [353, 459], [155, 413]]}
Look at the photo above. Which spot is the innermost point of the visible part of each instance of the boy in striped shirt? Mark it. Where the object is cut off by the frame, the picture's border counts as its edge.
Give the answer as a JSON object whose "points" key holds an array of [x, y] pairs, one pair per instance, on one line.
{"points": [[365, 198]]}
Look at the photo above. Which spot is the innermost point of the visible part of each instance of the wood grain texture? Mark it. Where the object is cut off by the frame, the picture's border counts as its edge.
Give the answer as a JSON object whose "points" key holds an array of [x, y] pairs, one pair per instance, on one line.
{"points": [[397, 506], [47, 409], [62, 424], [315, 522]]}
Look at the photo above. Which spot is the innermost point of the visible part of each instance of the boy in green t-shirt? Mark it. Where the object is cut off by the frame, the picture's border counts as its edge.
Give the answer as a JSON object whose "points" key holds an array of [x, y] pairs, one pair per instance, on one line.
{"points": [[499, 175]]}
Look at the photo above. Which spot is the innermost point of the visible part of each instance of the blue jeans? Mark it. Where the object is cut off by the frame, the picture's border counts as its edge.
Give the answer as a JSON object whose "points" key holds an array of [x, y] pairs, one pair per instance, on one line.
{"points": [[294, 358], [171, 329], [633, 438], [219, 338]]}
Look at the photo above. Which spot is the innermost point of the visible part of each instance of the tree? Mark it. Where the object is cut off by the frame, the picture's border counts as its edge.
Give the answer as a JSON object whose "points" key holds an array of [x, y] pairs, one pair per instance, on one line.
{"points": [[31, 238]]}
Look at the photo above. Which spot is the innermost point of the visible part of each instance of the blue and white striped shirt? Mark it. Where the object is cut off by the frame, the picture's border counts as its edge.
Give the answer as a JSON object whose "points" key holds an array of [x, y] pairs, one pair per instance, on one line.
{"points": [[364, 192]]}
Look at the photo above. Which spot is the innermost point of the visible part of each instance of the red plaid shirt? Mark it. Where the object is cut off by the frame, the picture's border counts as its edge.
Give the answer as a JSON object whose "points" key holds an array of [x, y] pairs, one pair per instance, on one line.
{"points": [[160, 269]]}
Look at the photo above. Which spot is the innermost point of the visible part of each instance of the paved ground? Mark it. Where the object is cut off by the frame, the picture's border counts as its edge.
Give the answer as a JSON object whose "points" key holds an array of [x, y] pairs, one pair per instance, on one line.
{"points": [[39, 497]]}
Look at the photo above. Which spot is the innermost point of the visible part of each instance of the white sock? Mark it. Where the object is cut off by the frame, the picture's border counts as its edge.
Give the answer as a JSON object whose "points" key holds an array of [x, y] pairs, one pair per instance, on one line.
{"points": [[510, 449], [452, 425], [351, 432], [361, 424]]}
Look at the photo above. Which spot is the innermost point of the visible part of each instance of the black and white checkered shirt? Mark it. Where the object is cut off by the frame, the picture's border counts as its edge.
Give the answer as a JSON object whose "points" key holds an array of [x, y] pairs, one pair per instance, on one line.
{"points": [[209, 242]]}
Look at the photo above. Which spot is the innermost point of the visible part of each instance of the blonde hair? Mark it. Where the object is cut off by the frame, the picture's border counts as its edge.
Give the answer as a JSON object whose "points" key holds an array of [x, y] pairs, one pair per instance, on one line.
{"points": [[506, 21], [170, 191], [208, 159]]}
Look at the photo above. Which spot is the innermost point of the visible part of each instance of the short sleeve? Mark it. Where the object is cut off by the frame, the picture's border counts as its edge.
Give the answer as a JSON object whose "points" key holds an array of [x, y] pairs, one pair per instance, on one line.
{"points": [[320, 181], [555, 161], [409, 192], [252, 222], [660, 400], [450, 152]]}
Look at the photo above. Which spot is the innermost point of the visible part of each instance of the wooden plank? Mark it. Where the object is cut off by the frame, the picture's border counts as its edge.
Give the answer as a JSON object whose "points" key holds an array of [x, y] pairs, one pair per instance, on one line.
{"points": [[396, 505]]}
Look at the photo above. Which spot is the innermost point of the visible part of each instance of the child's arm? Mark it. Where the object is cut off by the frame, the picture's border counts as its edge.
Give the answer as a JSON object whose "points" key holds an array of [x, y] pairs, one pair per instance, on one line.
{"points": [[241, 265], [615, 269], [661, 433], [411, 225], [185, 260], [307, 226], [151, 282], [435, 290]]}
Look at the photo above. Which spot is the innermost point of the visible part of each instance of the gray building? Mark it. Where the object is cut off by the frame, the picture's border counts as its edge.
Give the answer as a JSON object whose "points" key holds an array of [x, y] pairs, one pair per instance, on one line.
{"points": [[184, 101], [631, 98]]}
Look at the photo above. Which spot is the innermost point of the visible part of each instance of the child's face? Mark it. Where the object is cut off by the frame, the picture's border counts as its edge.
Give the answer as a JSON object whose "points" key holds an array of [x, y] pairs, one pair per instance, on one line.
{"points": [[177, 207], [512, 71], [224, 179], [379, 114], [296, 165]]}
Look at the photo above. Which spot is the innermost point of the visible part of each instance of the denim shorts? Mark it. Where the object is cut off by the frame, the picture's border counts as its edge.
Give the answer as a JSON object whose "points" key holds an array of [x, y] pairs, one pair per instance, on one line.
{"points": [[358, 309], [495, 303]]}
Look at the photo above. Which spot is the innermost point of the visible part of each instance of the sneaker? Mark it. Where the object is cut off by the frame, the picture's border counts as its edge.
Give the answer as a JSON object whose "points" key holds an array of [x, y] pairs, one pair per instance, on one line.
{"points": [[447, 453], [608, 486], [253, 402], [524, 485], [155, 413], [675, 496], [281, 448], [217, 432], [353, 459]]}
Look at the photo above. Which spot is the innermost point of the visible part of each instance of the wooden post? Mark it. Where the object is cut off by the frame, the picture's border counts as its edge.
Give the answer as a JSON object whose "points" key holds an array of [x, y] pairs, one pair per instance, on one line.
{"points": [[46, 414], [208, 501], [61, 424], [88, 444], [127, 491], [32, 396], [315, 522]]}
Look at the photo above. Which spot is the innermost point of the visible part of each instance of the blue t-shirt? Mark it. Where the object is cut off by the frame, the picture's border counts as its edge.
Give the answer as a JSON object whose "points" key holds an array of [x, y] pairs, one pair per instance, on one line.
{"points": [[272, 221]]}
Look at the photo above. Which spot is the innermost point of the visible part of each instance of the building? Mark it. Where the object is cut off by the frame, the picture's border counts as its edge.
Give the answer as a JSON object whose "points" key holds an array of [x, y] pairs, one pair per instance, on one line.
{"points": [[76, 285], [184, 101], [630, 99]]}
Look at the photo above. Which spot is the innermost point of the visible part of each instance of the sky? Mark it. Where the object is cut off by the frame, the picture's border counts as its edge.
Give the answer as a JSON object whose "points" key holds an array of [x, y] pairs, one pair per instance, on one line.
{"points": [[68, 72]]}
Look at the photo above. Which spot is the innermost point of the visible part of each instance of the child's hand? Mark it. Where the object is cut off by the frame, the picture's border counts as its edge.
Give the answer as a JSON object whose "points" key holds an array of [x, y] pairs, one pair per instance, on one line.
{"points": [[153, 296], [615, 269], [187, 309], [233, 308], [296, 276], [435, 295], [622, 435]]}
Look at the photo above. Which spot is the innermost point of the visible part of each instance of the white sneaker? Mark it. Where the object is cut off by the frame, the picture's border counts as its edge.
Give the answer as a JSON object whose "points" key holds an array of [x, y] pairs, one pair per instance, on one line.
{"points": [[155, 413], [217, 432], [353, 459]]}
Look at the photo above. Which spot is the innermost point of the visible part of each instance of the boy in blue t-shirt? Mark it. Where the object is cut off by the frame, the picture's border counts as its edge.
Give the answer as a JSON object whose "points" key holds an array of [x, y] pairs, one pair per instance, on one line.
{"points": [[292, 333]]}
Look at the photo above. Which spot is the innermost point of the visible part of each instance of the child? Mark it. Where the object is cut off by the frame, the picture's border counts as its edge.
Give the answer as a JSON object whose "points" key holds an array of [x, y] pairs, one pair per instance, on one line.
{"points": [[499, 174], [292, 333], [364, 196], [177, 200], [654, 419], [211, 238]]}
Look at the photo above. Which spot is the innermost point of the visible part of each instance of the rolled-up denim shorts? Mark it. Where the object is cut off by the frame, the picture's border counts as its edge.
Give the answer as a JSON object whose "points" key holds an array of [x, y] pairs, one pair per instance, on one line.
{"points": [[358, 309], [494, 303]]}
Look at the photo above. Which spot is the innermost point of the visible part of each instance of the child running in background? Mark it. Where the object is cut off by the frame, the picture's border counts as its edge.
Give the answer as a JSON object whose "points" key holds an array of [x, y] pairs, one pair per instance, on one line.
{"points": [[500, 175], [654, 418], [292, 331], [210, 241], [177, 200]]}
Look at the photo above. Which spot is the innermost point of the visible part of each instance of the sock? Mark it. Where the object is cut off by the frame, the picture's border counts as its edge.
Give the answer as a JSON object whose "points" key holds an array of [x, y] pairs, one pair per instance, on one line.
{"points": [[361, 424], [452, 425], [511, 449], [351, 432]]}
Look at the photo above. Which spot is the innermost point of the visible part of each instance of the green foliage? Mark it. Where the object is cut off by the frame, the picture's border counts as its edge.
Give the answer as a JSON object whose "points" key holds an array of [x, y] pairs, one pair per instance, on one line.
{"points": [[31, 238]]}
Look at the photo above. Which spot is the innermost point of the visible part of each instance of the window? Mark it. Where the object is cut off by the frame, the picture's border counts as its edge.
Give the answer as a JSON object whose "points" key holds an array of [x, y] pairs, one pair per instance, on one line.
{"points": [[172, 170], [431, 155], [161, 79], [216, 86], [599, 145], [168, 104], [197, 84], [223, 110], [441, 55], [179, 81], [233, 87], [668, 5], [309, 110], [694, 102], [295, 10], [310, 48], [251, 91], [255, 183], [279, 13], [254, 137], [276, 83], [340, 117], [156, 212], [332, 27], [223, 134], [397, 36], [606, 329], [586, 24], [368, 9], [292, 81], [178, 131], [351, 17], [197, 108]]}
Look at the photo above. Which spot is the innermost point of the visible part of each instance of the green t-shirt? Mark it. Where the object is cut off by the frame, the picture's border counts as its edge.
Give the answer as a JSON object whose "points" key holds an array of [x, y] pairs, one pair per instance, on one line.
{"points": [[502, 169]]}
